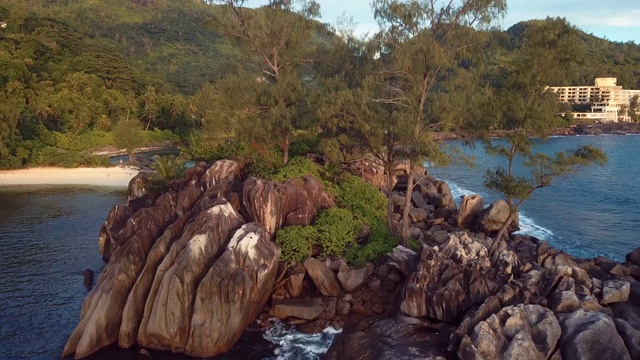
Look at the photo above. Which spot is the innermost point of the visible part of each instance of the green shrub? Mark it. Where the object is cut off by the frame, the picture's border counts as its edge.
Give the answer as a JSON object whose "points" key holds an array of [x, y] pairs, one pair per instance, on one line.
{"points": [[304, 143], [297, 167], [158, 135], [369, 206], [296, 242], [337, 230]]}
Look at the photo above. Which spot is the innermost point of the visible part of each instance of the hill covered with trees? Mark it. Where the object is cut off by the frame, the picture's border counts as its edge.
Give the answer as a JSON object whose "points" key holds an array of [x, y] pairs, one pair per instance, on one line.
{"points": [[272, 81]]}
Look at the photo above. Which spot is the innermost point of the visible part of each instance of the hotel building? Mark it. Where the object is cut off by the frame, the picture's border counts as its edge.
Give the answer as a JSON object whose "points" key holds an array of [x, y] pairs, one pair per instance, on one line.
{"points": [[606, 98]]}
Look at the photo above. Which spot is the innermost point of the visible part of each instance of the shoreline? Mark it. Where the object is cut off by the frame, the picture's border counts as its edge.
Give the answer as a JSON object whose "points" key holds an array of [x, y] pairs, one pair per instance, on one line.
{"points": [[114, 176]]}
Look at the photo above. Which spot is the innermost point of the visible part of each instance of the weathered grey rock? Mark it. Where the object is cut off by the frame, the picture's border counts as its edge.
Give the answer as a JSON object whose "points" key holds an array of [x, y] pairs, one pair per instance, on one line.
{"points": [[308, 309], [516, 332], [403, 259], [169, 307], [564, 298], [137, 186], [630, 336], [233, 292], [449, 282], [420, 202], [470, 209], [441, 200], [615, 291], [352, 279], [590, 336], [322, 277], [493, 217]]}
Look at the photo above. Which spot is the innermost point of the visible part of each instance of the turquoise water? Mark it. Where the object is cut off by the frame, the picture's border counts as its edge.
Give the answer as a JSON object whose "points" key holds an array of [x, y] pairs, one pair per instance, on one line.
{"points": [[593, 212]]}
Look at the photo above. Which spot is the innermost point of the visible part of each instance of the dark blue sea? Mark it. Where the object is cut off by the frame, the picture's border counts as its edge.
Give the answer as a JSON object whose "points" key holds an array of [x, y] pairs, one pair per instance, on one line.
{"points": [[49, 235]]}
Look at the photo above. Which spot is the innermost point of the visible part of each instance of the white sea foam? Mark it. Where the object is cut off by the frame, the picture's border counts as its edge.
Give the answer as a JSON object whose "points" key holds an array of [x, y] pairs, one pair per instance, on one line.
{"points": [[293, 344], [527, 225]]}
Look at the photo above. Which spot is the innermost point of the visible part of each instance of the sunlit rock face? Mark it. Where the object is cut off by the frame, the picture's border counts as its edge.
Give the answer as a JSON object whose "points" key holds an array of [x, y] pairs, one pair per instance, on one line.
{"points": [[187, 272]]}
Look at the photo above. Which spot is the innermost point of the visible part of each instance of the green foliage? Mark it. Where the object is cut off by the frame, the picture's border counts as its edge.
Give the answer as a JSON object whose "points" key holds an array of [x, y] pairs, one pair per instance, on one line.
{"points": [[166, 169], [128, 135], [157, 136], [337, 230], [296, 168], [296, 242]]}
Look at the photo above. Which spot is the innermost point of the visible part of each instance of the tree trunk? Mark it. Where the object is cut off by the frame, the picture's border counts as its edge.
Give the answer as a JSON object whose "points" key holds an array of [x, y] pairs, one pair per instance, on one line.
{"points": [[507, 223], [404, 239], [132, 157], [390, 223]]}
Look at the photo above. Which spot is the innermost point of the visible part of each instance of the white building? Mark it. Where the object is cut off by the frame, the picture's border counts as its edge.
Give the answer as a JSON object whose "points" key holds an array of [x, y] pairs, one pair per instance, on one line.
{"points": [[606, 98]]}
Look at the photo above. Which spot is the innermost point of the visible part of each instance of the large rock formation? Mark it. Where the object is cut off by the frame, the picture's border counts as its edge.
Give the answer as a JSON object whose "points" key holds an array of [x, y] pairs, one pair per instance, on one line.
{"points": [[233, 292], [184, 273], [516, 332]]}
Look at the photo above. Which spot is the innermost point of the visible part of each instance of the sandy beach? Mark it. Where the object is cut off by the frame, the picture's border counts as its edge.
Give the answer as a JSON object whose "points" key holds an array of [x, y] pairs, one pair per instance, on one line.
{"points": [[103, 176]]}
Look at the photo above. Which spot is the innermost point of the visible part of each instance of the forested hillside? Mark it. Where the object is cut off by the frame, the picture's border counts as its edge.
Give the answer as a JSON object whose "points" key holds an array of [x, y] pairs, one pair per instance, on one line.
{"points": [[73, 72]]}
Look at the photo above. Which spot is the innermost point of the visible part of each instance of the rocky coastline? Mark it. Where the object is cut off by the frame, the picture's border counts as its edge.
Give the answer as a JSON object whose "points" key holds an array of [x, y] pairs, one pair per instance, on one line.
{"points": [[189, 270]]}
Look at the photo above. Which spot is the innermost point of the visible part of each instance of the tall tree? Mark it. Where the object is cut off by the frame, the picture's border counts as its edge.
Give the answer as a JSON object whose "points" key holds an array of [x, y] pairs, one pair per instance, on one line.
{"points": [[422, 43], [280, 34], [544, 53]]}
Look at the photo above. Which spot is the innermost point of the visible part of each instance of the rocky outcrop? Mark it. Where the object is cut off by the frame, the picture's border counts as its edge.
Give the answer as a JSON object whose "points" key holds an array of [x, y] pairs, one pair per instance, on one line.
{"points": [[275, 205], [169, 306], [174, 276], [102, 309], [516, 332], [233, 292], [448, 281]]}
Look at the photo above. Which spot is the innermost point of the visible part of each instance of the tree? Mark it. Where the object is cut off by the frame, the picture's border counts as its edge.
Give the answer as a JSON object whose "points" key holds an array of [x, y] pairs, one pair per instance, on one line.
{"points": [[129, 135], [280, 35], [545, 53], [422, 43]]}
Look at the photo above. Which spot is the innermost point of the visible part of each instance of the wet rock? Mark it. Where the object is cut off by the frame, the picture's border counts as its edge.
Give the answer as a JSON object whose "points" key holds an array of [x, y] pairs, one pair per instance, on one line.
{"points": [[516, 332], [322, 277], [590, 336]]}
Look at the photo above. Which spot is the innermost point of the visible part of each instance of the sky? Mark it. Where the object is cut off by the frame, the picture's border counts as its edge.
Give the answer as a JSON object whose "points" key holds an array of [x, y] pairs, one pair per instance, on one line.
{"points": [[616, 20]]}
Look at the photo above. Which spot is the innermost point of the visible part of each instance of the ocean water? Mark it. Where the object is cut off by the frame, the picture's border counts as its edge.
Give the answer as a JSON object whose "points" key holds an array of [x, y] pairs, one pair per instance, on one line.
{"points": [[594, 212], [48, 236]]}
